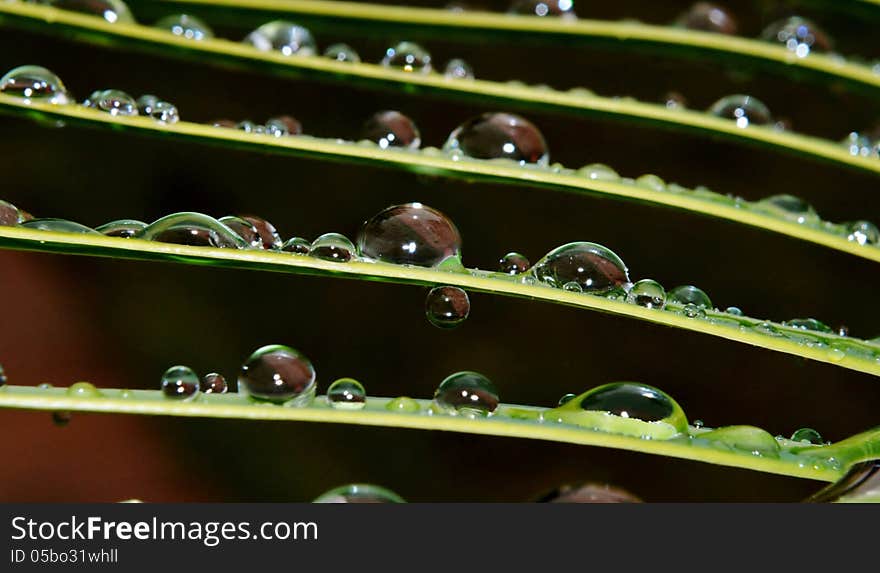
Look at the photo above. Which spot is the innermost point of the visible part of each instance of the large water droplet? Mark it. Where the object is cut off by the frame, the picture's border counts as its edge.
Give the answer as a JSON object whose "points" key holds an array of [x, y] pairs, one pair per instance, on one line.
{"points": [[193, 229], [798, 35], [403, 404], [467, 393], [447, 306], [278, 374], [561, 8], [594, 267], [342, 53], [34, 83], [347, 394], [297, 246], [708, 17], [244, 229], [409, 57], [689, 294], [648, 293], [180, 382], [359, 493], [9, 214], [499, 135], [114, 102], [58, 226], [282, 36], [808, 435], [458, 69], [392, 129], [589, 493], [186, 26], [124, 228], [744, 438], [808, 324], [410, 234], [161, 111], [514, 263], [789, 207], [745, 110], [112, 11], [213, 383], [863, 233], [332, 247]]}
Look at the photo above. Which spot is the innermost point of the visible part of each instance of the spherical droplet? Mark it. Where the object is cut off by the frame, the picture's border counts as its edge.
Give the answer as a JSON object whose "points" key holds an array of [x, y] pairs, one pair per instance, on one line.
{"points": [[745, 110], [283, 125], [112, 11], [193, 229], [282, 36], [34, 83], [332, 247], [347, 394], [798, 35], [186, 26], [359, 493], [789, 207], [589, 493], [708, 17], [599, 172], [458, 69], [403, 404], [863, 233], [674, 100], [213, 383], [467, 393], [114, 102], [594, 267], [9, 214], [392, 129], [62, 418], [297, 245], [83, 390], [514, 263], [447, 306], [499, 135], [808, 324], [3, 379], [278, 374], [566, 398], [180, 382], [410, 234], [244, 229], [58, 226], [559, 8], [808, 435], [409, 57], [342, 53], [647, 293], [268, 233], [124, 228], [161, 111], [744, 438], [689, 294]]}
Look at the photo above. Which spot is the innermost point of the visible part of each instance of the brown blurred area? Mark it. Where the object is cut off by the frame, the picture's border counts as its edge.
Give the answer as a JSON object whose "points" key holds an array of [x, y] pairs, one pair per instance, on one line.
{"points": [[120, 324]]}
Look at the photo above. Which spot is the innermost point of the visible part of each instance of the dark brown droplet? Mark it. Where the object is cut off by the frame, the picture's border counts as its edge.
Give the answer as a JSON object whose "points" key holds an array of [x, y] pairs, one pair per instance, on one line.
{"points": [[392, 129], [269, 235], [277, 373], [499, 136], [709, 17], [409, 234], [290, 123], [61, 419], [244, 229], [447, 306], [214, 383]]}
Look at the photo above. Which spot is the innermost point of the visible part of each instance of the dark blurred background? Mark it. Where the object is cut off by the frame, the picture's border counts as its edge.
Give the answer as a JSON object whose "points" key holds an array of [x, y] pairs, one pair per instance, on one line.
{"points": [[121, 324]]}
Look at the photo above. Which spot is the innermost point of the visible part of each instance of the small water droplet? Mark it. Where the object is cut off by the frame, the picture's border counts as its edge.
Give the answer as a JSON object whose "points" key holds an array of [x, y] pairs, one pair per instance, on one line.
{"points": [[458, 69], [744, 438], [403, 404], [447, 306], [735, 311], [860, 145], [836, 354], [34, 83], [359, 493], [278, 374], [180, 382], [297, 246], [83, 390], [467, 393], [698, 424], [410, 234], [708, 17], [589, 493], [689, 294], [558, 8], [647, 293], [114, 102], [124, 228], [566, 398], [691, 310], [514, 263], [674, 100], [789, 207], [3, 379], [282, 36], [112, 11], [808, 435], [347, 394], [599, 172], [214, 383], [652, 182], [283, 125], [863, 233], [332, 247], [193, 229], [342, 53], [499, 135], [58, 226], [808, 324], [225, 123], [409, 57], [572, 286], [161, 111], [392, 129], [594, 267], [186, 26], [798, 35], [745, 110], [249, 126]]}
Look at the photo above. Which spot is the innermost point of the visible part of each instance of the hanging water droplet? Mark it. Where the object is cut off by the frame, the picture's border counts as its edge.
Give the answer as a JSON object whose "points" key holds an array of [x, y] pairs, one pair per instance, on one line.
{"points": [[332, 247], [244, 229], [193, 229], [83, 390], [124, 228], [594, 267], [266, 230], [647, 293], [283, 125], [186, 26], [744, 438], [161, 111], [180, 382], [689, 294], [34, 83], [112, 11], [589, 493], [392, 129], [282, 36], [347, 394], [58, 226], [278, 374], [213, 383], [863, 233], [114, 102], [409, 57], [359, 493], [342, 53], [62, 418], [9, 214], [743, 109], [514, 263], [458, 69], [691, 310], [860, 145], [808, 435], [808, 324], [410, 234], [566, 398], [559, 8], [297, 245], [447, 306], [499, 135], [798, 35], [708, 17], [467, 393], [789, 207], [403, 404], [599, 172]]}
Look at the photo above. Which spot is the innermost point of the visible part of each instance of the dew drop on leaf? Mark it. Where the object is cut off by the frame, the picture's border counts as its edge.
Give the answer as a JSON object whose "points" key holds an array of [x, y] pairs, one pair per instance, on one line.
{"points": [[193, 229], [282, 36], [744, 438], [114, 102], [347, 394], [332, 247], [499, 136], [112, 11], [689, 294], [186, 26], [180, 382], [278, 374], [83, 390], [789, 207], [161, 111], [708, 17], [457, 69], [798, 35], [244, 229], [447, 306], [403, 404], [269, 235], [59, 226], [342, 53], [647, 293], [34, 83], [808, 324], [123, 228], [392, 129], [409, 57], [410, 234], [566, 398], [860, 145], [745, 110], [213, 383], [283, 125], [359, 493], [595, 268], [297, 246], [558, 8], [3, 379], [599, 172], [808, 435], [514, 263], [863, 233], [468, 394]]}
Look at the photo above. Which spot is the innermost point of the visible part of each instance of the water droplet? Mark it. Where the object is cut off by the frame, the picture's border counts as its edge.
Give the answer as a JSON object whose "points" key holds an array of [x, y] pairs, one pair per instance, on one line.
{"points": [[268, 233], [83, 390], [112, 11], [843, 330], [342, 53], [808, 324], [249, 126], [789, 207], [499, 135], [193, 229], [572, 286], [124, 228], [3, 379], [798, 35], [34, 83], [186, 26], [61, 419], [808, 435], [359, 493], [409, 57], [735, 311], [114, 102], [403, 404], [392, 129], [589, 493], [599, 172], [647, 293], [282, 36], [347, 394], [278, 374], [836, 354], [410, 234], [708, 17], [297, 245], [689, 294], [744, 438], [514, 263], [698, 424], [467, 393], [9, 214], [447, 306], [860, 145], [674, 100], [560, 8], [693, 311], [180, 382], [283, 125], [214, 383], [567, 398], [332, 247], [743, 109], [458, 69], [225, 123], [161, 111], [863, 233], [58, 226], [651, 182], [594, 267], [244, 229]]}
